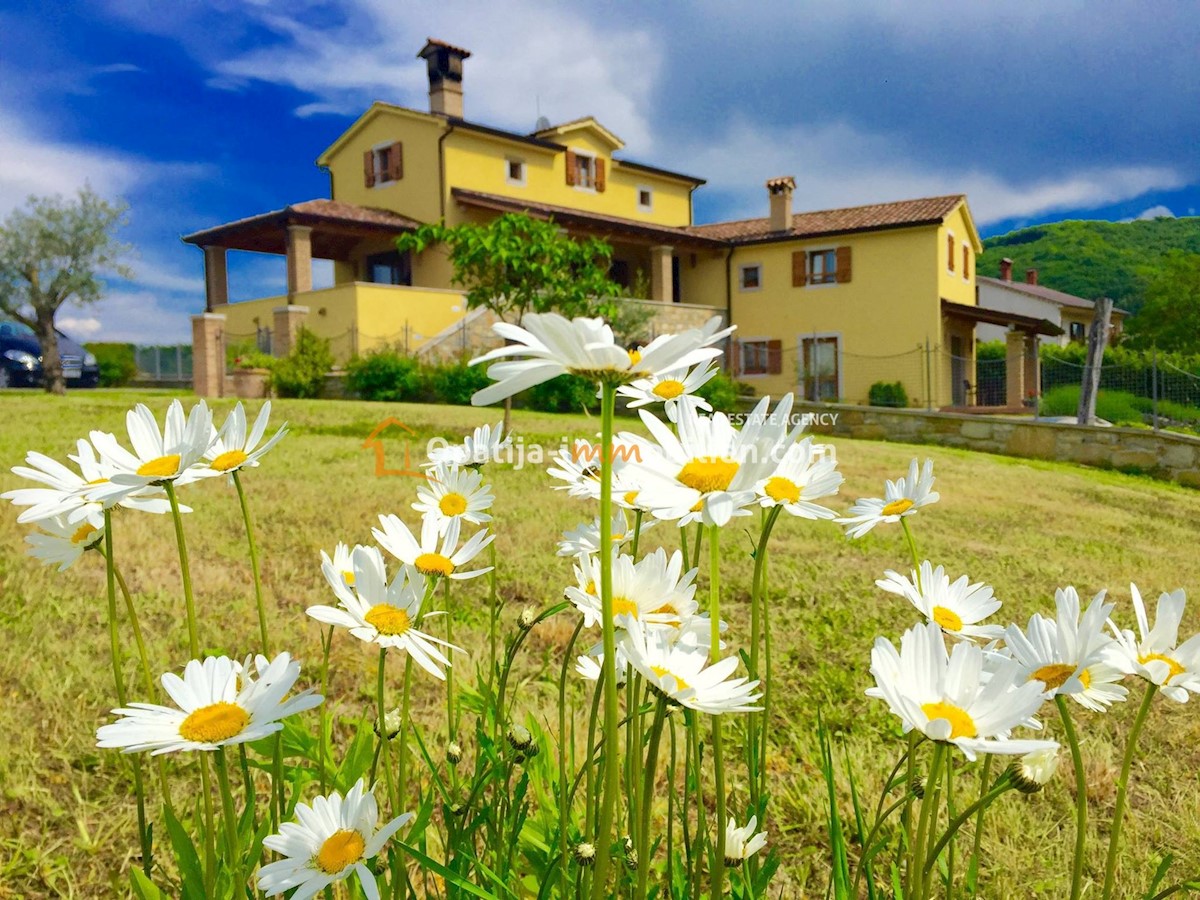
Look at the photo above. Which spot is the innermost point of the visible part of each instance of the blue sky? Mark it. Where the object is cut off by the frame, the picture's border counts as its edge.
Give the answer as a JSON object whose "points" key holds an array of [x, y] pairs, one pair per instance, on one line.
{"points": [[201, 112]]}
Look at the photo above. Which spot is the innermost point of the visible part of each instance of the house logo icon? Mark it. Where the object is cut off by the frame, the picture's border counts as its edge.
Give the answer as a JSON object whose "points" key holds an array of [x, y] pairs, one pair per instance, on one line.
{"points": [[375, 441]]}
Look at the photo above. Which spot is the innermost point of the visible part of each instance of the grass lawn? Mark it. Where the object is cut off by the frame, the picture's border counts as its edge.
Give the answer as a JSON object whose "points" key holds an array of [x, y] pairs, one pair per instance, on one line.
{"points": [[66, 816]]}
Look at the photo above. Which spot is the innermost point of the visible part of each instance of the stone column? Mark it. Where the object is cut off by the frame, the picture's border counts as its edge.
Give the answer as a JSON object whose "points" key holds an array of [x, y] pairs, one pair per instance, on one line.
{"points": [[216, 278], [1033, 381], [662, 287], [1014, 368], [208, 354], [299, 260], [288, 320]]}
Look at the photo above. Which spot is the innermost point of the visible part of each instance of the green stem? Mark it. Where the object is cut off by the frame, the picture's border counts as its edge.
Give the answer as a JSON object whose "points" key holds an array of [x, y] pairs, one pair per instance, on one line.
{"points": [[322, 747], [696, 547], [383, 740], [1114, 839], [189, 600], [714, 653], [493, 614], [254, 567], [912, 549], [210, 835], [1081, 796], [450, 712], [230, 818], [637, 533], [880, 818], [402, 756], [918, 889], [647, 798], [756, 722], [608, 671], [564, 796], [977, 839], [950, 856], [1001, 786]]}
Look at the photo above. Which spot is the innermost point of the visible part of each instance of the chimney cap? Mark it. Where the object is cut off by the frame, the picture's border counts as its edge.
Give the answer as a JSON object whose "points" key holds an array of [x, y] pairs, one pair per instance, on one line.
{"points": [[432, 45], [1031, 276], [782, 183]]}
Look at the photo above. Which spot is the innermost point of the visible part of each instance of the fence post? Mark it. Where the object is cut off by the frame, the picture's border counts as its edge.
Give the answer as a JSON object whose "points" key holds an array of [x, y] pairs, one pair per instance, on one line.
{"points": [[179, 361], [1097, 341], [1154, 388], [928, 376]]}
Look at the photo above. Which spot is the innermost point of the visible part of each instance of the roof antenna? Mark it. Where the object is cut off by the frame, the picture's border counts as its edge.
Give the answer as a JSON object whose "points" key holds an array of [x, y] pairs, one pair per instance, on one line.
{"points": [[542, 122]]}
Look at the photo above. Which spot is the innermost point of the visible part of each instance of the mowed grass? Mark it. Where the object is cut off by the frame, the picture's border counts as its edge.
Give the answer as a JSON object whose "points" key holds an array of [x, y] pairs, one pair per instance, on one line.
{"points": [[66, 812]]}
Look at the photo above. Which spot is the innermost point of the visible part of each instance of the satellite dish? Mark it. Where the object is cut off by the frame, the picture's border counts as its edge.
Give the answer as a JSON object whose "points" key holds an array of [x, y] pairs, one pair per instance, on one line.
{"points": [[542, 124]]}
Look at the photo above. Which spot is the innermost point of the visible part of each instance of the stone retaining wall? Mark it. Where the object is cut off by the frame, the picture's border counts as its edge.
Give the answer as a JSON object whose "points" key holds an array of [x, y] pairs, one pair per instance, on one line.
{"points": [[1163, 455]]}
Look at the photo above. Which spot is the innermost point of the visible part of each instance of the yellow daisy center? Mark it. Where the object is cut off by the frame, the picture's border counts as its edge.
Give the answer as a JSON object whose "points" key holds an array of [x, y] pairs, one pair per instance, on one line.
{"points": [[387, 619], [1085, 678], [668, 389], [230, 459], [433, 564], [1173, 667], [708, 473], [782, 490], [591, 588], [947, 618], [697, 507], [348, 577], [680, 684], [961, 724], [623, 606], [1054, 675], [630, 497], [213, 723], [635, 357], [160, 467], [453, 505], [98, 481], [341, 849], [897, 507], [83, 533]]}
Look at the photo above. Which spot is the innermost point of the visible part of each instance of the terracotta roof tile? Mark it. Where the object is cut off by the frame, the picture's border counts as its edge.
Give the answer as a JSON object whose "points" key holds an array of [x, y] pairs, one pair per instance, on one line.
{"points": [[1043, 293], [837, 221]]}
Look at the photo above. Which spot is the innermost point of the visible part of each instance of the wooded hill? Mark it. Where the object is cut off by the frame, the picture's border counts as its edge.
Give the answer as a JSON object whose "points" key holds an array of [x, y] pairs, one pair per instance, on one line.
{"points": [[1093, 259]]}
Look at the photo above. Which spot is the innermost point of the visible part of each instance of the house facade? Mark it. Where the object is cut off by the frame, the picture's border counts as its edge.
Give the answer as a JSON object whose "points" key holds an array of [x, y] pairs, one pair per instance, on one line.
{"points": [[1070, 313], [827, 303]]}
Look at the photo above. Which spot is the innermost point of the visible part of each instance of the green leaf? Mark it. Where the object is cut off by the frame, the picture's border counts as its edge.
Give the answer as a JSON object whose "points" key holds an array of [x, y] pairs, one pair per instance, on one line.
{"points": [[451, 877], [186, 858], [143, 887]]}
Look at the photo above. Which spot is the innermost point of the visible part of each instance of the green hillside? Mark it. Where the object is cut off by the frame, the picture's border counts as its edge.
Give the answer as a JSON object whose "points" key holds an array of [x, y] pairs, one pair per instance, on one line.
{"points": [[1093, 259]]}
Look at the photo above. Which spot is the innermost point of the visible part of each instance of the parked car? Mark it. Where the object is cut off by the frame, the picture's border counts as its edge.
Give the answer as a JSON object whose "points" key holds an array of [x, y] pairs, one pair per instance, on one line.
{"points": [[21, 358]]}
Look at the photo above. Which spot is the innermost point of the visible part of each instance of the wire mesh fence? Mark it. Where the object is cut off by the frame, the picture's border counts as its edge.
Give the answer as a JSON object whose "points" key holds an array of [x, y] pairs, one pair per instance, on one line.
{"points": [[164, 362]]}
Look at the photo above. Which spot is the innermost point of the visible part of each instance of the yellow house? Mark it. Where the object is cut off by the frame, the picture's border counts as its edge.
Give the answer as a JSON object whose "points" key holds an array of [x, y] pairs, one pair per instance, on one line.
{"points": [[827, 303]]}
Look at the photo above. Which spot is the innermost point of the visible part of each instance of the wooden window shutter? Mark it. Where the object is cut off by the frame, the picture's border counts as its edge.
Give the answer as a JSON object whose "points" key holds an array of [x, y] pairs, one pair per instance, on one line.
{"points": [[774, 357], [799, 268], [950, 252], [843, 265], [570, 167], [396, 161], [369, 168], [599, 164], [735, 357], [966, 262]]}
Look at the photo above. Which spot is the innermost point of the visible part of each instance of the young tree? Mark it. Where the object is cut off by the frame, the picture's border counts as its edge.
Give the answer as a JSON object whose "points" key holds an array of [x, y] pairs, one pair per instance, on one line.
{"points": [[1170, 317], [52, 251]]}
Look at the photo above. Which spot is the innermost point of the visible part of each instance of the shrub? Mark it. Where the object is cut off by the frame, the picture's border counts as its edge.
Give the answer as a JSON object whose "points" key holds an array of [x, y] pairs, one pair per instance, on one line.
{"points": [[117, 362], [302, 372], [721, 391], [386, 376], [888, 393], [455, 382], [566, 393], [1118, 407]]}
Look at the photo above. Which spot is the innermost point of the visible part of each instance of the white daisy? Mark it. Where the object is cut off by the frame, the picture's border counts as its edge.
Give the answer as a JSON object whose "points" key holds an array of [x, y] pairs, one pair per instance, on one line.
{"points": [[454, 493], [680, 671], [427, 555], [329, 841], [742, 843], [233, 449], [579, 466], [553, 345], [339, 569], [383, 612], [802, 476], [1035, 770], [66, 491], [485, 444], [1155, 657], [1069, 655], [213, 710], [709, 471], [901, 498], [671, 389], [584, 538], [951, 697], [590, 664], [159, 456], [957, 607], [655, 590], [63, 540]]}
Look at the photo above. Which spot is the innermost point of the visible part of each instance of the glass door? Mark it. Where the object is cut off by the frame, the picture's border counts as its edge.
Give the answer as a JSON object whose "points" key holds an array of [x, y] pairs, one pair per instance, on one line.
{"points": [[821, 377]]}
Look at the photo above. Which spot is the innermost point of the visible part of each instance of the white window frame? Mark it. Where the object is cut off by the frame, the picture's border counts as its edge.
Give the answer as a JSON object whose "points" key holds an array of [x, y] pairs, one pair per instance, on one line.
{"points": [[742, 277], [583, 154], [380, 181], [645, 207], [766, 342], [818, 335], [808, 253], [509, 162]]}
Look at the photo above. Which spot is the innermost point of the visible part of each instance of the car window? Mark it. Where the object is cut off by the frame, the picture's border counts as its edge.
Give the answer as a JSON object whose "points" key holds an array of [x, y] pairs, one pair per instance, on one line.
{"points": [[16, 329]]}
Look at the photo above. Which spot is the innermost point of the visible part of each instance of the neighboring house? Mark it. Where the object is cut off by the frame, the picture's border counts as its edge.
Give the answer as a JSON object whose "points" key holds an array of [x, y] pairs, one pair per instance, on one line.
{"points": [[1070, 313], [826, 303]]}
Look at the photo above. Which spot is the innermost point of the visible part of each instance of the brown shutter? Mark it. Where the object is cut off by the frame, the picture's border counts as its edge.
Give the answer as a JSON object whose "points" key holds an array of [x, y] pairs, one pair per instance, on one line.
{"points": [[735, 357], [570, 167], [799, 268], [966, 262], [950, 252], [369, 168], [396, 161], [599, 163], [774, 357], [843, 265]]}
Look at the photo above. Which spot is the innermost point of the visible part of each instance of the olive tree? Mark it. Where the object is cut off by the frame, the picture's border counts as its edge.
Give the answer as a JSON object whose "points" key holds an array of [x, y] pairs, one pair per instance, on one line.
{"points": [[54, 250]]}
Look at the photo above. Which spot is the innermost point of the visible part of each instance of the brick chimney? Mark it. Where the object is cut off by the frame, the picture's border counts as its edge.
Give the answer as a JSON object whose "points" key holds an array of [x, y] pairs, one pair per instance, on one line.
{"points": [[445, 64], [780, 191], [1006, 269], [1031, 276]]}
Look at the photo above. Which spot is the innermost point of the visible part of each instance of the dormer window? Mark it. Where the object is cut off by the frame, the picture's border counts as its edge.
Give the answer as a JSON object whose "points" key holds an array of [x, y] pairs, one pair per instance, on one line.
{"points": [[585, 171], [383, 163], [515, 172]]}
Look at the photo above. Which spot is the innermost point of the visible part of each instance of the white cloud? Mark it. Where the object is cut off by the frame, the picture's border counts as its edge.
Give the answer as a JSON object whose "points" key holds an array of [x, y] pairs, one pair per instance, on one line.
{"points": [[1156, 212], [139, 317], [79, 327]]}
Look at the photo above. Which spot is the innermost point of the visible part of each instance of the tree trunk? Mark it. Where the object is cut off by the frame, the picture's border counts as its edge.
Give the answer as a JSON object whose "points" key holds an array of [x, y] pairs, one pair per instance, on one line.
{"points": [[1097, 341], [52, 373]]}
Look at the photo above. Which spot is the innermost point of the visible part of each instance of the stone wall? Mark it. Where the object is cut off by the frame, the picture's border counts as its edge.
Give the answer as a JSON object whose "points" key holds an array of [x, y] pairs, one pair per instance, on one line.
{"points": [[1163, 455]]}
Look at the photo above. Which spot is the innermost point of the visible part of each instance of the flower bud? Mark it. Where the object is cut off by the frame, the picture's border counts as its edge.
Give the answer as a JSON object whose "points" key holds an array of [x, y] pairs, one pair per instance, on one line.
{"points": [[630, 853], [585, 854], [527, 618], [917, 786], [391, 721], [454, 753], [521, 740], [1033, 771]]}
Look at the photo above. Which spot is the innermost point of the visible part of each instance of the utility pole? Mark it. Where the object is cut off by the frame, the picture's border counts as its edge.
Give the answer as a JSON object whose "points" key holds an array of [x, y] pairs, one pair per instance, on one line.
{"points": [[1097, 341]]}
